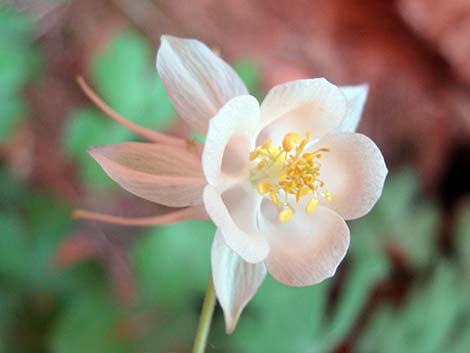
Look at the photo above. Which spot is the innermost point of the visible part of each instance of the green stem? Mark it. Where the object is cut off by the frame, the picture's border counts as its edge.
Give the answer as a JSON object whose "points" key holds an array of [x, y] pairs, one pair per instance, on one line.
{"points": [[205, 319]]}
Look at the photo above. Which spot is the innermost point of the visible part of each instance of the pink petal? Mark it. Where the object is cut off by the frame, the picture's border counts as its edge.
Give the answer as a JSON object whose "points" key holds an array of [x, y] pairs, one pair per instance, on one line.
{"points": [[354, 172], [236, 281], [167, 175], [230, 139], [307, 249], [234, 212], [314, 105], [356, 97], [197, 81]]}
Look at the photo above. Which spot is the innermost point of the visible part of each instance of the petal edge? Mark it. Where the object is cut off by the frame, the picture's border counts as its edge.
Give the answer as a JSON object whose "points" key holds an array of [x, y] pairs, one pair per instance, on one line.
{"points": [[197, 81], [166, 175], [236, 281]]}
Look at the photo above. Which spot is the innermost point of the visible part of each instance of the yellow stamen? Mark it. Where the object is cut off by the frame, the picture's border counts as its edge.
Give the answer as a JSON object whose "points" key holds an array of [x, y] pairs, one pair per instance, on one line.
{"points": [[286, 170], [312, 206], [301, 193], [285, 215], [275, 198], [267, 144], [290, 140], [262, 164], [264, 187]]}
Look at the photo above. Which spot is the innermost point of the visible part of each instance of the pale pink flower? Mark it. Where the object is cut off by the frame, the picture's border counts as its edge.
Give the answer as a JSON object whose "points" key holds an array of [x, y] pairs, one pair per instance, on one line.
{"points": [[278, 179]]}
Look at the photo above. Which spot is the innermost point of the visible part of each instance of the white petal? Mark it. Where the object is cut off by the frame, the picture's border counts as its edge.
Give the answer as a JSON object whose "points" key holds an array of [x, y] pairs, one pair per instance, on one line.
{"points": [[236, 281], [356, 96], [230, 139], [308, 248], [235, 214], [354, 172], [314, 105], [167, 175], [197, 81]]}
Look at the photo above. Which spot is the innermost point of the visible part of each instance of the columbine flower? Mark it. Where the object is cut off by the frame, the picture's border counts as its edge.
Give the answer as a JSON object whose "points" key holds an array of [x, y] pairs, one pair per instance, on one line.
{"points": [[278, 179]]}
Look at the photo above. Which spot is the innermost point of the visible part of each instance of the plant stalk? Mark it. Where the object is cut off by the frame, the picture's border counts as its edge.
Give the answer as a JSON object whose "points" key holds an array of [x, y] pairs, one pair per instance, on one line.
{"points": [[205, 319]]}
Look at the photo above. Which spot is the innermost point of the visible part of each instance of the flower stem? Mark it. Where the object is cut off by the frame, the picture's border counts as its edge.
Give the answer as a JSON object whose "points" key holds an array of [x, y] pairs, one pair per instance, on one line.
{"points": [[205, 319]]}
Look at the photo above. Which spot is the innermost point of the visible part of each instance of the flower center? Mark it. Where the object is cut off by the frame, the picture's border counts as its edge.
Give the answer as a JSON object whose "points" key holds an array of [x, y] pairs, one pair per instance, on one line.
{"points": [[288, 170]]}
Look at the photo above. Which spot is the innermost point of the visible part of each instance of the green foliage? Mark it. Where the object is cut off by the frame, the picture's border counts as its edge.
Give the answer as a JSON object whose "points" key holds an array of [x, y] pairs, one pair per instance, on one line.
{"points": [[249, 72], [428, 321], [402, 222], [31, 225], [18, 63], [462, 241], [161, 260], [171, 264], [32, 287], [89, 324], [125, 77], [87, 127]]}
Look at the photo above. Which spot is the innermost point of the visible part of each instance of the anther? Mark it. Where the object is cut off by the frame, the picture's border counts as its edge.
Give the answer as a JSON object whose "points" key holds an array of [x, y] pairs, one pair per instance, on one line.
{"points": [[263, 187], [285, 215], [285, 171], [275, 198], [290, 140], [311, 206]]}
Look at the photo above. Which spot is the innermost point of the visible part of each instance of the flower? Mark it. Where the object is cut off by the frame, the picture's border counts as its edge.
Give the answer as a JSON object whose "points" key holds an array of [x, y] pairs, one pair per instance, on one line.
{"points": [[278, 179]]}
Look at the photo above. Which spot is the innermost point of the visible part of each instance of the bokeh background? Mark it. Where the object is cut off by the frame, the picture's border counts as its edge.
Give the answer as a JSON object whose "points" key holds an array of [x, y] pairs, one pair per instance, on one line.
{"points": [[83, 287]]}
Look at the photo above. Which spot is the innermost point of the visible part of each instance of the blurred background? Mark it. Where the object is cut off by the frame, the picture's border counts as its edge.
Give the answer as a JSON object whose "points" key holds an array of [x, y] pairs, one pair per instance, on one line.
{"points": [[83, 287]]}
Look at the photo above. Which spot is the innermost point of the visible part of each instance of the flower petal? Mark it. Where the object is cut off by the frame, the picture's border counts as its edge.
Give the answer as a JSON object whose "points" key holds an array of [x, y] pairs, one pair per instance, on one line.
{"points": [[167, 175], [354, 172], [313, 105], [197, 81], [230, 139], [356, 97], [234, 212], [236, 281], [307, 249]]}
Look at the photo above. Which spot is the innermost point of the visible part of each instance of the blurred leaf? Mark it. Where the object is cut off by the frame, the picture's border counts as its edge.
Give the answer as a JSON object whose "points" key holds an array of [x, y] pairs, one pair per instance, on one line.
{"points": [[14, 248], [364, 275], [401, 221], [12, 190], [286, 319], [249, 72], [15, 64], [125, 75], [31, 233], [172, 266], [84, 128], [279, 319], [19, 61], [462, 237], [90, 323], [49, 222], [162, 262], [425, 323], [12, 111], [15, 24]]}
